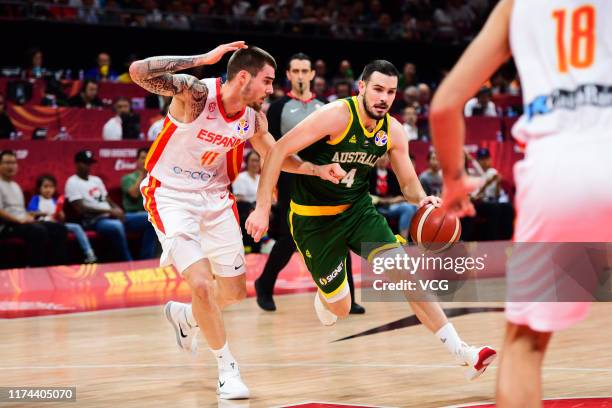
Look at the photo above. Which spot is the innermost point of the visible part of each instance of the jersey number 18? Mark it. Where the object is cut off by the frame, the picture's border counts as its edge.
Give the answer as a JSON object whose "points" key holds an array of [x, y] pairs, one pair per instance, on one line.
{"points": [[582, 38]]}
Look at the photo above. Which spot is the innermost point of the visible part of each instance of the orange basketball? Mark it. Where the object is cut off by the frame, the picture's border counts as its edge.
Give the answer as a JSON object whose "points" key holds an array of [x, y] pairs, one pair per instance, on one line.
{"points": [[434, 230]]}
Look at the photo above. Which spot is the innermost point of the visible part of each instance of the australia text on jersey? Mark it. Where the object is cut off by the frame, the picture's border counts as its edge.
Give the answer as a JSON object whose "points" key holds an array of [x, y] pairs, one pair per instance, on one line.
{"points": [[355, 157]]}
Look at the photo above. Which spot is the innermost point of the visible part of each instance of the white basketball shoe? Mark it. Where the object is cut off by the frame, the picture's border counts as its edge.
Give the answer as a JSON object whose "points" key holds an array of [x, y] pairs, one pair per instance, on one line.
{"points": [[186, 334]]}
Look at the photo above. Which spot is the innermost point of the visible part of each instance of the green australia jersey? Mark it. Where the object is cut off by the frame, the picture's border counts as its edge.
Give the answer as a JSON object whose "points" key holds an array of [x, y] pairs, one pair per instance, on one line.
{"points": [[356, 150]]}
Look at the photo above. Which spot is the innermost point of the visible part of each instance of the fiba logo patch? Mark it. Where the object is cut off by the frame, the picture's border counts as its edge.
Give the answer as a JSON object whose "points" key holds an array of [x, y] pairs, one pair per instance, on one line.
{"points": [[381, 138], [242, 127], [212, 106]]}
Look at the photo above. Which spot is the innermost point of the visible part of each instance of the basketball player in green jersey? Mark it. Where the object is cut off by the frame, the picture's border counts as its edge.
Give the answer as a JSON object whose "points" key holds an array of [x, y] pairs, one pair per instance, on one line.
{"points": [[327, 219]]}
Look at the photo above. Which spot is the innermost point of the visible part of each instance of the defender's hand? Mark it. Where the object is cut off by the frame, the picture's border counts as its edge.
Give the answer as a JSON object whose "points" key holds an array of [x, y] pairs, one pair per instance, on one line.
{"points": [[330, 172], [212, 57], [434, 200], [257, 223], [455, 196], [261, 123]]}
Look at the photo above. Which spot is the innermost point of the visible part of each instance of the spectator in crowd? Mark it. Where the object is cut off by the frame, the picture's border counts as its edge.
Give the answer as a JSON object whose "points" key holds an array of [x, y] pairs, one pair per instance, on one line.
{"points": [[491, 186], [88, 11], [130, 185], [154, 16], [461, 16], [158, 125], [345, 72], [319, 87], [102, 71], [245, 185], [89, 198], [54, 95], [34, 64], [409, 76], [6, 125], [481, 104], [409, 120], [445, 27], [320, 68], [431, 179], [490, 201], [498, 83], [125, 77], [407, 30], [176, 17], [123, 120], [410, 97], [88, 97], [133, 204], [423, 98], [15, 221], [48, 208], [387, 196], [341, 90]]}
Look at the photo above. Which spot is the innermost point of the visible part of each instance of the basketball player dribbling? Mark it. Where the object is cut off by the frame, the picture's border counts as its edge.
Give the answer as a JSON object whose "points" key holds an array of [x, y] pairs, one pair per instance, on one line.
{"points": [[326, 220], [190, 166], [563, 52]]}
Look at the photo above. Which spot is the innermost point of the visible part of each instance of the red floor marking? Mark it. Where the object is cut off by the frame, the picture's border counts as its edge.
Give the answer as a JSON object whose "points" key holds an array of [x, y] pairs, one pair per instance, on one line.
{"points": [[327, 405], [605, 402]]}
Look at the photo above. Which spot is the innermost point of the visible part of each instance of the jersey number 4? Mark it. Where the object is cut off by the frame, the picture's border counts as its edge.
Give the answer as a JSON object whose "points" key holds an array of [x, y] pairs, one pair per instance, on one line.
{"points": [[582, 38], [349, 179]]}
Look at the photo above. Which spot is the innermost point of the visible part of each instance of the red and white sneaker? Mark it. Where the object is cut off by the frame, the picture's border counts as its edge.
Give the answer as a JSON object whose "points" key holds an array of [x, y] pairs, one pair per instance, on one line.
{"points": [[477, 359]]}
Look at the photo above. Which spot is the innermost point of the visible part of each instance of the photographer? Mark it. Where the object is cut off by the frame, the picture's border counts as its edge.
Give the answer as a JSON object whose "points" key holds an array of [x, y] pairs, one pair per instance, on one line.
{"points": [[124, 125]]}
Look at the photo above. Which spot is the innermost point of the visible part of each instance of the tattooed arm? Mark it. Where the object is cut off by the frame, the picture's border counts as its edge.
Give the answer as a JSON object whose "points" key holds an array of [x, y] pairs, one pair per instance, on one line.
{"points": [[157, 75]]}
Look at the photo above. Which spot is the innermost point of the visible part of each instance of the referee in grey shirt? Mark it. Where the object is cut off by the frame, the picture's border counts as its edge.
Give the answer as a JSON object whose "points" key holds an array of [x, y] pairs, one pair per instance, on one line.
{"points": [[283, 115]]}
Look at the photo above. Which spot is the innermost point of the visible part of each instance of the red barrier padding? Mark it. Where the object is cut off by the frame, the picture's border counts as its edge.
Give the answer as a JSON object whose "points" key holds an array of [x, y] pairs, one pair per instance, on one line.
{"points": [[115, 159]]}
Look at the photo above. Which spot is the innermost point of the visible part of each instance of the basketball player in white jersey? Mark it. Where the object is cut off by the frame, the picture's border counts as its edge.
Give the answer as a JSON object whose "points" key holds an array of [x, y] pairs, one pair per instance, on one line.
{"points": [[563, 52], [190, 166]]}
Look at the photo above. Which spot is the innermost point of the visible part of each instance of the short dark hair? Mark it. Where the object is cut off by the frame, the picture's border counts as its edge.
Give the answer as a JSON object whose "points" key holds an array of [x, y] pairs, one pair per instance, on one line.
{"points": [[342, 82], [248, 156], [87, 82], [42, 178], [251, 59], [299, 56], [7, 153], [382, 66], [142, 150]]}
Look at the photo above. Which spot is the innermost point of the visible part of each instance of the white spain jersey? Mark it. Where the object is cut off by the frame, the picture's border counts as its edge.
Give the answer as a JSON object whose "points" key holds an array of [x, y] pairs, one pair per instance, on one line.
{"points": [[205, 154], [563, 52]]}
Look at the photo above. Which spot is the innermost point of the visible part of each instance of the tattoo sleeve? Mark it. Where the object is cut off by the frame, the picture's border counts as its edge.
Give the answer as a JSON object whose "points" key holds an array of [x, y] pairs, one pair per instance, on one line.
{"points": [[156, 75]]}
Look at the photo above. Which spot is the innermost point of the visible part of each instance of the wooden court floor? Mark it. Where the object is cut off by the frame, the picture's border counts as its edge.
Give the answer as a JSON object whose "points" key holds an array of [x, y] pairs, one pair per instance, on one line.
{"points": [[128, 358]]}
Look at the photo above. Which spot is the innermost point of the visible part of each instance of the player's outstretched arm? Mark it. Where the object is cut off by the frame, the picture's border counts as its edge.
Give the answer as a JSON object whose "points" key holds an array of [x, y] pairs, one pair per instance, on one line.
{"points": [[411, 187], [263, 142], [156, 74], [330, 120], [489, 50]]}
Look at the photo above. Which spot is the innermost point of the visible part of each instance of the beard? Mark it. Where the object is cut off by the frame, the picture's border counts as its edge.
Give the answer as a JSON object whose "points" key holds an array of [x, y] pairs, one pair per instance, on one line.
{"points": [[255, 105], [247, 93], [370, 112]]}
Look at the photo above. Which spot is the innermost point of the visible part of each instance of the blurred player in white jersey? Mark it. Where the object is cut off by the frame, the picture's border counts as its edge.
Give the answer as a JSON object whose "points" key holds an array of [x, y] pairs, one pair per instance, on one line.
{"points": [[563, 51], [190, 166]]}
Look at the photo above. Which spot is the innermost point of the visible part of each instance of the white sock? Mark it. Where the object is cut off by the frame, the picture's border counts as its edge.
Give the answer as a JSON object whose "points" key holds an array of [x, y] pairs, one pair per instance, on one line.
{"points": [[189, 314], [225, 360], [449, 336]]}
